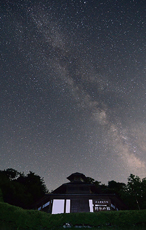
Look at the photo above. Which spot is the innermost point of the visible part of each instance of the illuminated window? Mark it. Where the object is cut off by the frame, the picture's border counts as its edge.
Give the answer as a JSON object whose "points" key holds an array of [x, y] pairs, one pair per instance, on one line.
{"points": [[58, 206]]}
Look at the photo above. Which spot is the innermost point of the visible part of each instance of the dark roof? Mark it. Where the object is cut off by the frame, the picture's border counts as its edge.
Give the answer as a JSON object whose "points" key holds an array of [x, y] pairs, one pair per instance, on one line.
{"points": [[76, 175], [63, 189]]}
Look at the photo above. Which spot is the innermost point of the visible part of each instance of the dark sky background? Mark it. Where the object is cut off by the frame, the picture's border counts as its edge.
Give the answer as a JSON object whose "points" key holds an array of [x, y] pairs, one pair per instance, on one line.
{"points": [[73, 88]]}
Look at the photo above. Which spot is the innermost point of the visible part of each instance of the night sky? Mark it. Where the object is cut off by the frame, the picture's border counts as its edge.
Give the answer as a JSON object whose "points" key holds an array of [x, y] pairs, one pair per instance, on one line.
{"points": [[73, 88]]}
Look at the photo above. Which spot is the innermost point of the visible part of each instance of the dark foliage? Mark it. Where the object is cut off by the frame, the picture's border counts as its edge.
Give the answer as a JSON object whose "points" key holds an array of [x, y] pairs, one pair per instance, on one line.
{"points": [[134, 193], [20, 190]]}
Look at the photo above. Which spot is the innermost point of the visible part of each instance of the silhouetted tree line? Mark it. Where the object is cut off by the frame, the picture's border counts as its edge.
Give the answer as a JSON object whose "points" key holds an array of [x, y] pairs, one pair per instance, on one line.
{"points": [[19, 189], [24, 190]]}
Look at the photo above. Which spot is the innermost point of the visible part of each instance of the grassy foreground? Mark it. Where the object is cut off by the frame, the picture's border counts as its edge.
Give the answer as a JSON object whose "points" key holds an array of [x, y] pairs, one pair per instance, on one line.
{"points": [[12, 218]]}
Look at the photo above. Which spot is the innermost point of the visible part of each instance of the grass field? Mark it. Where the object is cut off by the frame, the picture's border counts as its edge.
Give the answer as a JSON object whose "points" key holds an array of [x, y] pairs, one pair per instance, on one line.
{"points": [[12, 218]]}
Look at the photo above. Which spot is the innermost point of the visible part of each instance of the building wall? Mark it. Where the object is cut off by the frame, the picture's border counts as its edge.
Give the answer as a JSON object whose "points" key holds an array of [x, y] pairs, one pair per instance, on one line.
{"points": [[57, 206]]}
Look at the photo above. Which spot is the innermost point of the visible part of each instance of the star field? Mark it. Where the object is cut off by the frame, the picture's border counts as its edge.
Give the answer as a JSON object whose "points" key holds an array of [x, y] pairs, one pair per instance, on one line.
{"points": [[73, 88]]}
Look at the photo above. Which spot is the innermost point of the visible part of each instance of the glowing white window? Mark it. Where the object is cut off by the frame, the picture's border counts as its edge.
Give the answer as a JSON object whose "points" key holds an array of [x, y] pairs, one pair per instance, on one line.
{"points": [[45, 205], [91, 205], [67, 206], [58, 206]]}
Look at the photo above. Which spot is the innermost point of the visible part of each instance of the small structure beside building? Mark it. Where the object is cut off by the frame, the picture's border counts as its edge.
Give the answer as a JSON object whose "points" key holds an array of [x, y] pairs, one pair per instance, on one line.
{"points": [[78, 196]]}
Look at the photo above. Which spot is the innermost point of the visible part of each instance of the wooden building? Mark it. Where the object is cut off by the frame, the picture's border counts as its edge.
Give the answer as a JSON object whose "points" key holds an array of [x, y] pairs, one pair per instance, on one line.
{"points": [[78, 196]]}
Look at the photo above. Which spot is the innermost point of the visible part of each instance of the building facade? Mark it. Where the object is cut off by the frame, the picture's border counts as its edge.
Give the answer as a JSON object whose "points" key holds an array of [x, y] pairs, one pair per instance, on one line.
{"points": [[78, 196]]}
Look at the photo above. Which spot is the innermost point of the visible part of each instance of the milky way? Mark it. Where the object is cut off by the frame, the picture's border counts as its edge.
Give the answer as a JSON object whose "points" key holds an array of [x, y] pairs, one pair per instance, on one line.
{"points": [[73, 88]]}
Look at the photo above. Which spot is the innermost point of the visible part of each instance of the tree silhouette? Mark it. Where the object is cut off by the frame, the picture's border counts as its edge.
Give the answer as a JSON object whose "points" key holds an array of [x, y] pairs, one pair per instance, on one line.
{"points": [[21, 190]]}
